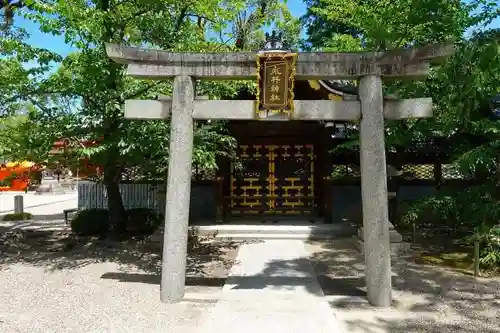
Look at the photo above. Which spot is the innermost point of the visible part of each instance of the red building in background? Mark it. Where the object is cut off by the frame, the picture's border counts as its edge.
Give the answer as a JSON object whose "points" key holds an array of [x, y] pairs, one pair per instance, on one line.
{"points": [[16, 176], [81, 168]]}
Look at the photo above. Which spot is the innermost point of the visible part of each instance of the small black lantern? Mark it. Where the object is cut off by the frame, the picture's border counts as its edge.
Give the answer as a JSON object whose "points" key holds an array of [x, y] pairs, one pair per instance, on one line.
{"points": [[495, 107], [275, 43], [339, 129]]}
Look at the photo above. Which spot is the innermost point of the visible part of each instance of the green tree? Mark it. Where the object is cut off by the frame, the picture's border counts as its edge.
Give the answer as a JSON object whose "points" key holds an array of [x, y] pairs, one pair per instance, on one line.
{"points": [[94, 88], [101, 84], [460, 88], [388, 24], [9, 7], [383, 25], [23, 137], [321, 30]]}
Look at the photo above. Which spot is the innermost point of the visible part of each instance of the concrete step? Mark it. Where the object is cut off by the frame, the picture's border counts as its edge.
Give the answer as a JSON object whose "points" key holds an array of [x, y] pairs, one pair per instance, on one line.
{"points": [[282, 236], [341, 229], [249, 232]]}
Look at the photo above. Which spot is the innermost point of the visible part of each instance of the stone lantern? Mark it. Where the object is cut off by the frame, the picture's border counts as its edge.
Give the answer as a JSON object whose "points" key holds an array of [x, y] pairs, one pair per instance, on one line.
{"points": [[396, 239], [392, 174]]}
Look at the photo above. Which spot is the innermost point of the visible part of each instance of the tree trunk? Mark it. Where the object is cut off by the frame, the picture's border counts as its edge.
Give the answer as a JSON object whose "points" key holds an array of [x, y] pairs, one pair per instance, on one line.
{"points": [[116, 209]]}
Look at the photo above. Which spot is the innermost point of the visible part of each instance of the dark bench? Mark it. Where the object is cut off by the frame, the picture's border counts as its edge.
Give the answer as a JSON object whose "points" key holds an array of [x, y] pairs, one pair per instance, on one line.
{"points": [[40, 190], [66, 212]]}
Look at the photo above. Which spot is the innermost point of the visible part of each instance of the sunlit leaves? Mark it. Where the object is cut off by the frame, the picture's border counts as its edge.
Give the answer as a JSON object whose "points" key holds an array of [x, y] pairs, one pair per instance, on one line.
{"points": [[387, 24], [92, 88]]}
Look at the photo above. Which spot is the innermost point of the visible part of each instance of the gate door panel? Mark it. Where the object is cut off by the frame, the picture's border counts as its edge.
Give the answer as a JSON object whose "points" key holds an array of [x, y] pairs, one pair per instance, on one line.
{"points": [[249, 181], [273, 179], [294, 179]]}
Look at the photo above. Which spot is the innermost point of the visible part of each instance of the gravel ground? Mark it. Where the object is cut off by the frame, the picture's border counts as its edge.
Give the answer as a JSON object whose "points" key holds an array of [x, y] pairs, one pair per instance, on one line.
{"points": [[427, 298], [53, 283]]}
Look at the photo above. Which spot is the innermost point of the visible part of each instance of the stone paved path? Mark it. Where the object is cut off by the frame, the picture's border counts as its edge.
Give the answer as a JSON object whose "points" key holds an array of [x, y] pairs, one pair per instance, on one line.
{"points": [[271, 288]]}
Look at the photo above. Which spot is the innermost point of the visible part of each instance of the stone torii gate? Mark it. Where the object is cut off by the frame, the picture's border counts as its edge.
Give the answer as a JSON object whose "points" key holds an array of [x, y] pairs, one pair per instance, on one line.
{"points": [[370, 109]]}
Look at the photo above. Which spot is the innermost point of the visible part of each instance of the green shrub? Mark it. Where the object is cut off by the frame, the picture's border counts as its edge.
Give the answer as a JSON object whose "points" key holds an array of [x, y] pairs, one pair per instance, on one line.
{"points": [[472, 214], [18, 217], [143, 221], [489, 257], [438, 210], [91, 222]]}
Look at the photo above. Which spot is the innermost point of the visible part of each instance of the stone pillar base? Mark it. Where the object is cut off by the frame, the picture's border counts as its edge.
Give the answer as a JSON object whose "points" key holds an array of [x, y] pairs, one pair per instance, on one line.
{"points": [[394, 236], [157, 236], [398, 247]]}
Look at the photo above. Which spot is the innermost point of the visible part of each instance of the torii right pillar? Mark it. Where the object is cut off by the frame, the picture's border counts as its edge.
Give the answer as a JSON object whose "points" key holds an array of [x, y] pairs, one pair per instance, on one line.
{"points": [[374, 192]]}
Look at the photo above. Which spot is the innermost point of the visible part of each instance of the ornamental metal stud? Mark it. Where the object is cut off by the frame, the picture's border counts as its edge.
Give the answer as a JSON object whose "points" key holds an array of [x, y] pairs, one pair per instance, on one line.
{"points": [[275, 43]]}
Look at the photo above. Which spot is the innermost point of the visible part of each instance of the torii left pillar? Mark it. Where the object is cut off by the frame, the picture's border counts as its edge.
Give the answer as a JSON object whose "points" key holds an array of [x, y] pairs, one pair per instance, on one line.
{"points": [[173, 272]]}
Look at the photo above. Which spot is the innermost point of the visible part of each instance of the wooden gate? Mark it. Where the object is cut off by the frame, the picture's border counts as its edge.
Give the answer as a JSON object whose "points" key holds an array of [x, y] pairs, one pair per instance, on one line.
{"points": [[273, 180]]}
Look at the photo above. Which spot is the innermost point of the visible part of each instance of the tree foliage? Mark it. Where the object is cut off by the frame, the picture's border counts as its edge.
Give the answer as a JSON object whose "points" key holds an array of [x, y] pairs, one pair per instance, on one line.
{"points": [[23, 137], [388, 24], [461, 89], [322, 29], [80, 96]]}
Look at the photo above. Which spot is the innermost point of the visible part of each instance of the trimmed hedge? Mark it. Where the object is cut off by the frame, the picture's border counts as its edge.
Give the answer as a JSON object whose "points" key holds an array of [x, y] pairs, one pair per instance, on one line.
{"points": [[96, 222], [18, 217], [143, 221], [91, 222]]}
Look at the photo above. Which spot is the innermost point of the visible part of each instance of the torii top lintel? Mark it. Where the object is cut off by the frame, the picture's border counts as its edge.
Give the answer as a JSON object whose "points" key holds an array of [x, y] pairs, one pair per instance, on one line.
{"points": [[158, 64]]}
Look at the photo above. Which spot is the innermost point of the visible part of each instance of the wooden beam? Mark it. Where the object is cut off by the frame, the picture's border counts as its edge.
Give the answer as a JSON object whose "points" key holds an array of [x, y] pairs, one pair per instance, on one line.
{"points": [[304, 109]]}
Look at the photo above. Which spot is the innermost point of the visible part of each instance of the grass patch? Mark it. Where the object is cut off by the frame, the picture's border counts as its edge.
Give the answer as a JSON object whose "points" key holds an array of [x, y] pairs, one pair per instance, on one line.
{"points": [[460, 260], [18, 217]]}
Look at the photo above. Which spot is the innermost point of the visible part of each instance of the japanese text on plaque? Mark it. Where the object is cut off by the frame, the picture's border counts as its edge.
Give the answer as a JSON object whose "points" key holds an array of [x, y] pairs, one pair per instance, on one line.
{"points": [[275, 84]]}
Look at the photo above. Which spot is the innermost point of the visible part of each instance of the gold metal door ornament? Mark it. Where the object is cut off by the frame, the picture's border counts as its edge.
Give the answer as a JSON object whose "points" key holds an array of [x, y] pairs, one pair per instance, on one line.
{"points": [[273, 179]]}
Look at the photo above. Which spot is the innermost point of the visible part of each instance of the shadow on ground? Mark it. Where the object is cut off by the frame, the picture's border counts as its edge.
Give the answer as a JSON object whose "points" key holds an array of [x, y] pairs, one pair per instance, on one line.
{"points": [[207, 263], [426, 298], [191, 281]]}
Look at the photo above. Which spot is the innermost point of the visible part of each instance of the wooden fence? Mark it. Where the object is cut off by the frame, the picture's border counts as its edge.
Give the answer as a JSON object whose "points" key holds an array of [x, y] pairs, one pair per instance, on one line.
{"points": [[134, 195]]}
